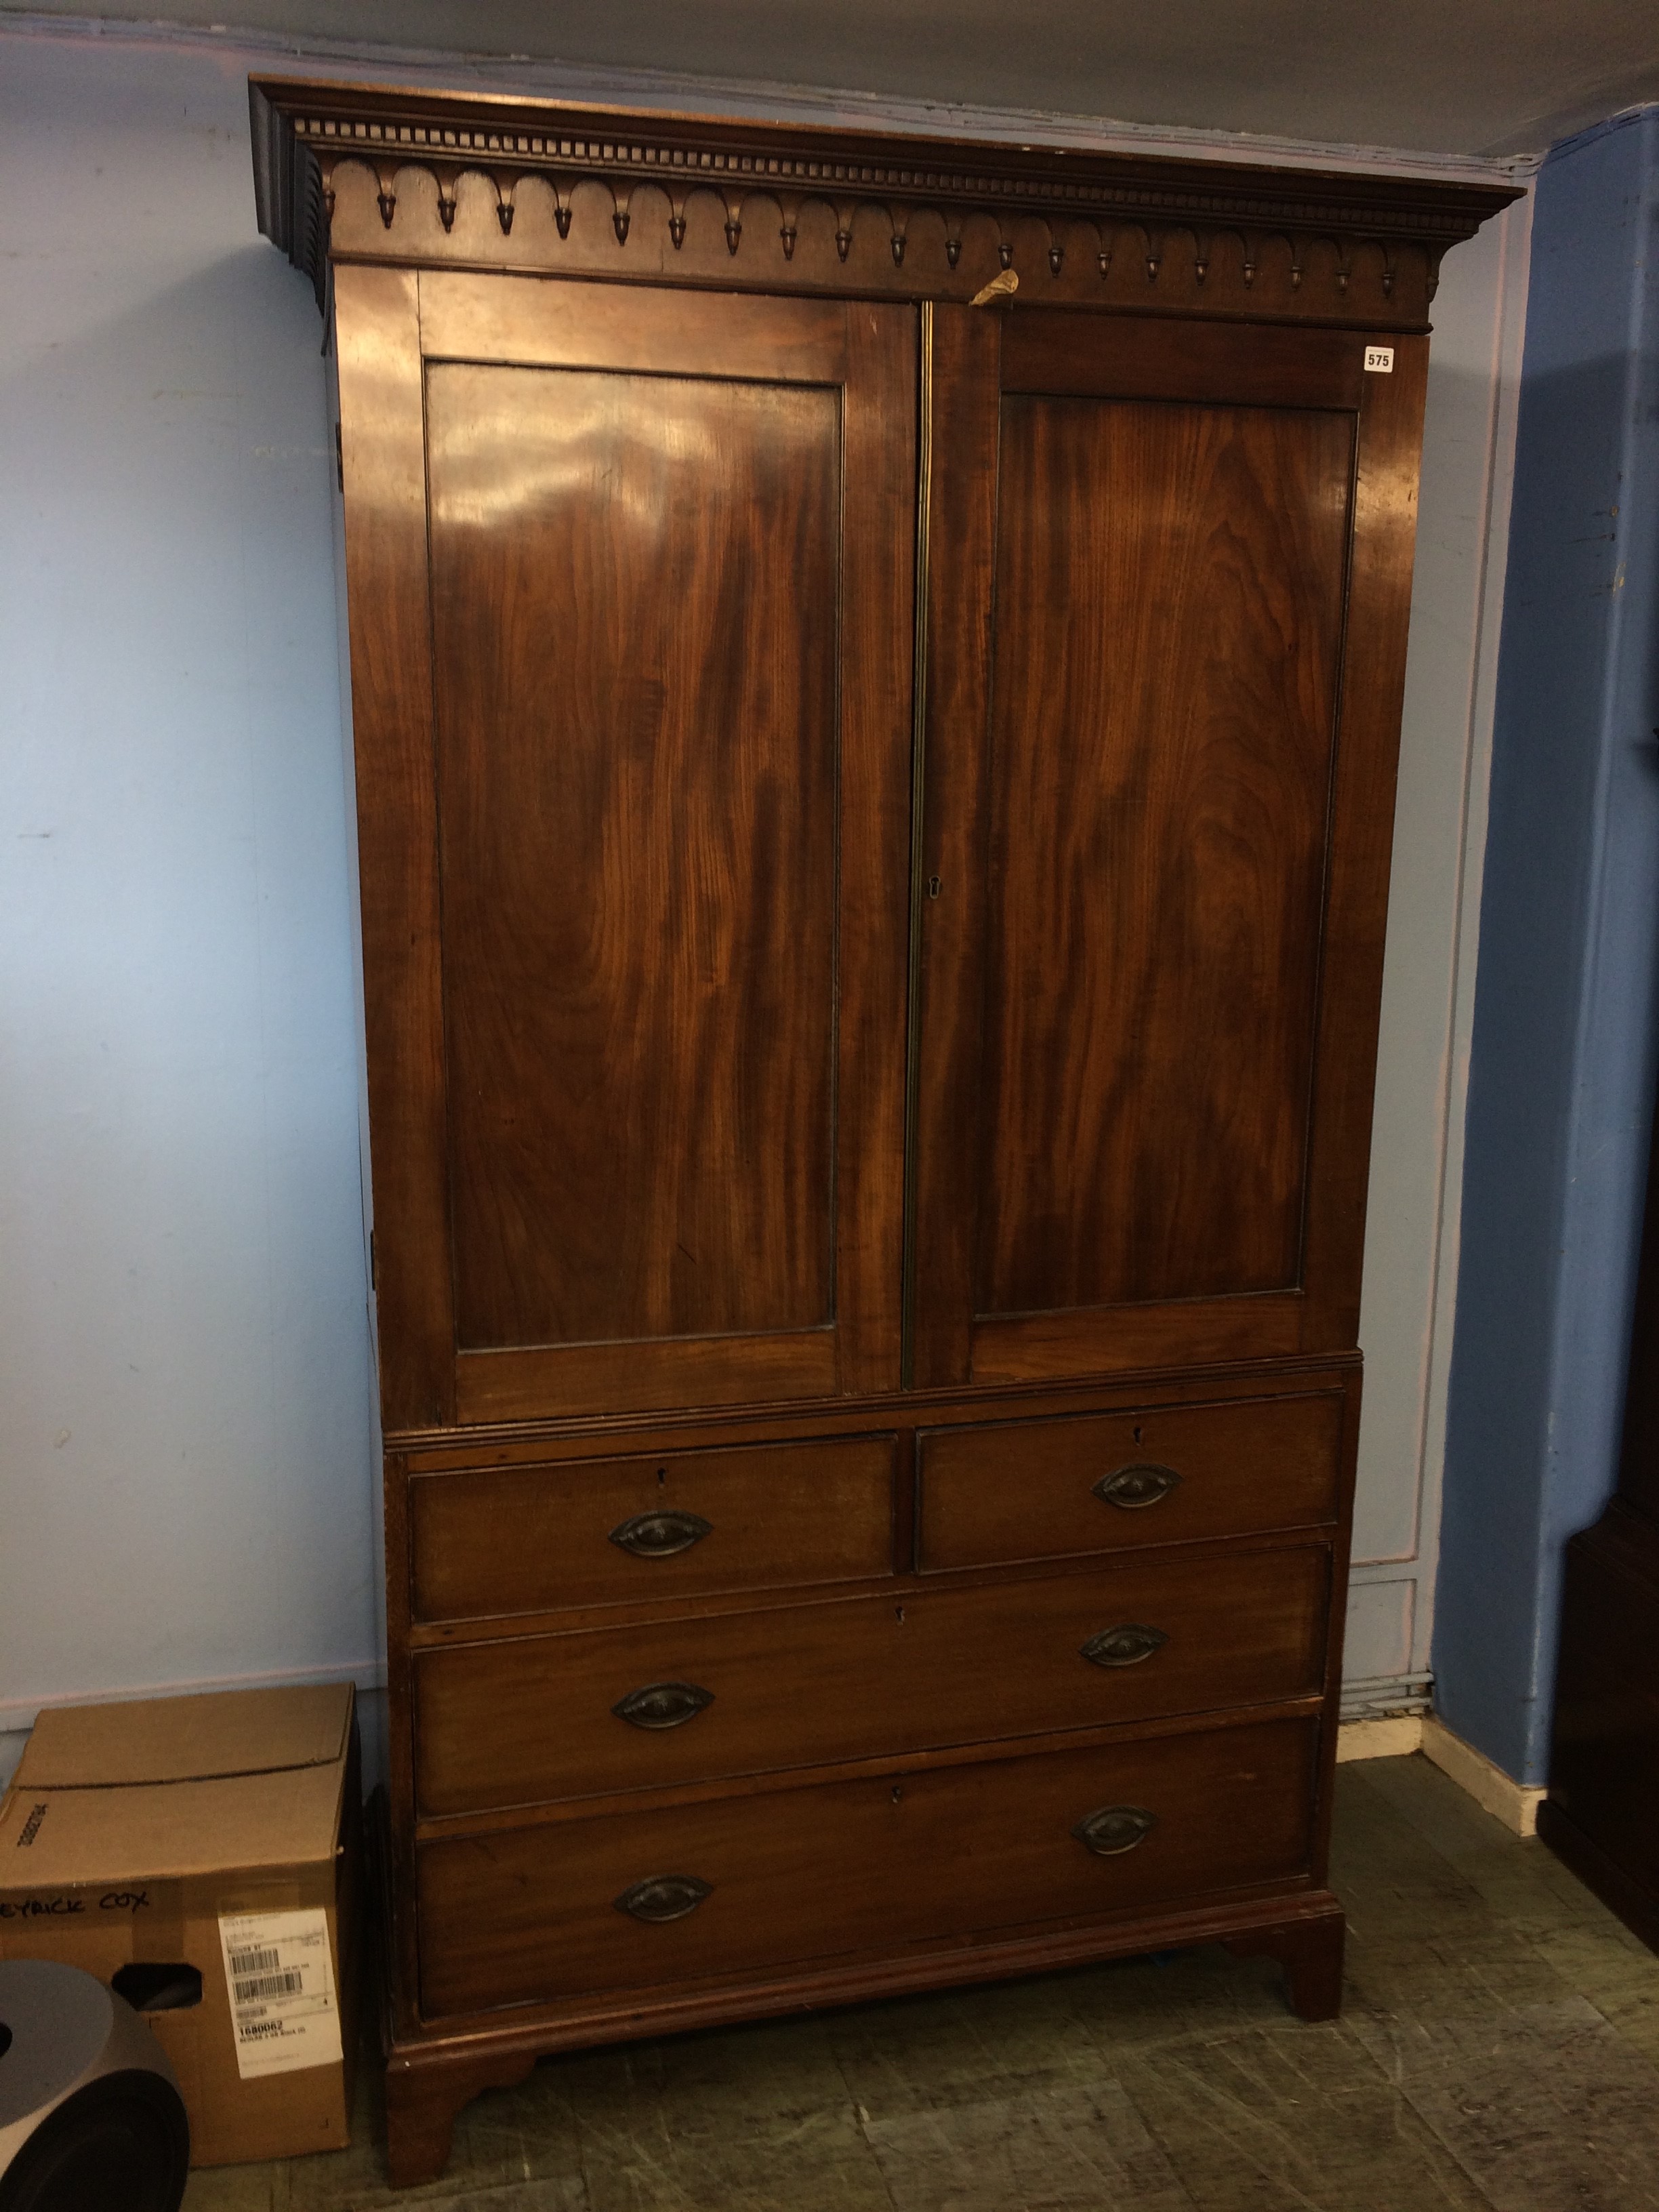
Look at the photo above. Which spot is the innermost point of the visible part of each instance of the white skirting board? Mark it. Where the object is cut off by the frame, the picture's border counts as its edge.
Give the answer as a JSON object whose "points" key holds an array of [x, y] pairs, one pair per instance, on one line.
{"points": [[1394, 1736], [1512, 1802]]}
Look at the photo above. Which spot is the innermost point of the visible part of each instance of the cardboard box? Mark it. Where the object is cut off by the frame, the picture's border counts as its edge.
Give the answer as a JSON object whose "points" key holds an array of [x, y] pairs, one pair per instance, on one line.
{"points": [[204, 1856]]}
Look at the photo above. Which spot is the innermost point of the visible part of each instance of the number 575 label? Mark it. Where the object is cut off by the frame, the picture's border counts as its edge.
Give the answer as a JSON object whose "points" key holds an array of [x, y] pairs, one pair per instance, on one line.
{"points": [[1379, 360]]}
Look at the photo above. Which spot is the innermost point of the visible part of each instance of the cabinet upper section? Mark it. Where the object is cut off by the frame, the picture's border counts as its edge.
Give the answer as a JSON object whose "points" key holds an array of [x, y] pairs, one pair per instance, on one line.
{"points": [[351, 173]]}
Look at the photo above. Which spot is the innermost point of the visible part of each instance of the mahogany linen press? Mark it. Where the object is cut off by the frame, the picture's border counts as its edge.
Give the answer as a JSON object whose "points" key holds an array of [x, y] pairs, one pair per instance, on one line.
{"points": [[875, 681]]}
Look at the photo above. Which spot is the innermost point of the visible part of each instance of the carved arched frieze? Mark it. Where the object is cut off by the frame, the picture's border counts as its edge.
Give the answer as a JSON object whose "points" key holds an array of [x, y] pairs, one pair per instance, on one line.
{"points": [[386, 208], [475, 182]]}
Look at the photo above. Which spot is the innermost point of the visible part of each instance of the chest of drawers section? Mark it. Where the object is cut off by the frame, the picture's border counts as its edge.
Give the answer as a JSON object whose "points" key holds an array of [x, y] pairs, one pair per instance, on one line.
{"points": [[730, 1712]]}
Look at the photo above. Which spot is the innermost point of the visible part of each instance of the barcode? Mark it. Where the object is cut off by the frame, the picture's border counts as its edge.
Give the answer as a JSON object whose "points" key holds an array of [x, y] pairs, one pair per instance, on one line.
{"points": [[254, 1962], [269, 1985]]}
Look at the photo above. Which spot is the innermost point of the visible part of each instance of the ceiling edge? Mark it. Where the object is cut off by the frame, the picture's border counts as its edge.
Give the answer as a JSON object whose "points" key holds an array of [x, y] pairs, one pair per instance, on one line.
{"points": [[764, 101]]}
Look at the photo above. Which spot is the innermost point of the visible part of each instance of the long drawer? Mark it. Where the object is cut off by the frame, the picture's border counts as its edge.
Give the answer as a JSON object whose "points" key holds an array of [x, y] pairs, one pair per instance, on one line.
{"points": [[546, 1717], [1009, 1491], [500, 1540], [741, 1885]]}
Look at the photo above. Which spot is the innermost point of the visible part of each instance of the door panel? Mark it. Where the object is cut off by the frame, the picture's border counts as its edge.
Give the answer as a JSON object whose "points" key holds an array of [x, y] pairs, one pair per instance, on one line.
{"points": [[1156, 813], [1168, 613], [636, 769], [668, 624]]}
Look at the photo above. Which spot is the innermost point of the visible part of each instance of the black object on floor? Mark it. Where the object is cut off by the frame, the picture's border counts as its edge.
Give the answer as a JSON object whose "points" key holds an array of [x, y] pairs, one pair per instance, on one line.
{"points": [[91, 2119]]}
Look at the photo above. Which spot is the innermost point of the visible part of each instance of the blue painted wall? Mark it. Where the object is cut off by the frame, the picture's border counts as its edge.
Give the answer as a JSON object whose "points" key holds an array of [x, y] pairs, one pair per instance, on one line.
{"points": [[1561, 1081]]}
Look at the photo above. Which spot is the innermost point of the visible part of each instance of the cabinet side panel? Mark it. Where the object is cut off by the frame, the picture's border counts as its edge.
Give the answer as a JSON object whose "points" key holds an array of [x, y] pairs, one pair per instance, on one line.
{"points": [[1169, 615], [1385, 499], [382, 471]]}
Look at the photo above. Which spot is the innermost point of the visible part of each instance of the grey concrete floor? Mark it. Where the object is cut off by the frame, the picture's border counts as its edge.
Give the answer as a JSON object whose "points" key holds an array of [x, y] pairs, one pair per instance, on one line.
{"points": [[1498, 2048]]}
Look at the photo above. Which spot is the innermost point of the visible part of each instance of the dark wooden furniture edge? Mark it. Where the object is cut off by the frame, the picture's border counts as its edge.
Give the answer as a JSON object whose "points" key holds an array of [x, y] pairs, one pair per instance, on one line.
{"points": [[431, 2075], [302, 128], [1622, 1553], [1617, 1890]]}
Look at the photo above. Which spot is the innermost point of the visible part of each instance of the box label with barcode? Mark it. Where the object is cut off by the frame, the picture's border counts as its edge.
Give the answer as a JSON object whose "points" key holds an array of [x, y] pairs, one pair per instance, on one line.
{"points": [[279, 1971]]}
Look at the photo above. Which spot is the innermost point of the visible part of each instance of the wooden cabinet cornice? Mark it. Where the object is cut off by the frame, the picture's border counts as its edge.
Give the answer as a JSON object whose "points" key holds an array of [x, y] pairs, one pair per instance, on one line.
{"points": [[483, 181], [875, 685]]}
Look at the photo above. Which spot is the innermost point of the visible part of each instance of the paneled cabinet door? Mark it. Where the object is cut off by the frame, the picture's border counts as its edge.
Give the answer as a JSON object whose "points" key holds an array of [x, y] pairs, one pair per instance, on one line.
{"points": [[630, 576], [1168, 570]]}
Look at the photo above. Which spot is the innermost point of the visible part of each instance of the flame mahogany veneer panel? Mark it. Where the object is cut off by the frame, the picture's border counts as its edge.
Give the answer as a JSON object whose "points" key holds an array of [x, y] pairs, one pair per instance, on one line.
{"points": [[1168, 618], [636, 765]]}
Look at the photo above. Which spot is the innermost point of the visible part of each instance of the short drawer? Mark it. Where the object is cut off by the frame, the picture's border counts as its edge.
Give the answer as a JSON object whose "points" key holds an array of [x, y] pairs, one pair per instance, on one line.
{"points": [[546, 1718], [666, 1525], [1009, 1490], [738, 1885]]}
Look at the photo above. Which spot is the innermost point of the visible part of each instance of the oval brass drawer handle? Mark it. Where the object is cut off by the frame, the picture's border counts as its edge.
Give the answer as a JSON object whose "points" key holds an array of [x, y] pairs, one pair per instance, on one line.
{"points": [[662, 1896], [663, 1704], [1115, 1828], [1125, 1646], [1143, 1483], [660, 1535]]}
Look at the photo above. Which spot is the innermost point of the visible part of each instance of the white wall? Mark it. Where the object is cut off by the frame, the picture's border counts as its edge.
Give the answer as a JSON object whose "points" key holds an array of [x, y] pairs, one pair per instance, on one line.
{"points": [[183, 1380], [187, 1490]]}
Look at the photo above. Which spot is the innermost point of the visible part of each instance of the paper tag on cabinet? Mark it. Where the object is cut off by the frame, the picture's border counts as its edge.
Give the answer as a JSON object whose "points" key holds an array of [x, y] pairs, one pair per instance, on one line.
{"points": [[1379, 360], [279, 1972]]}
